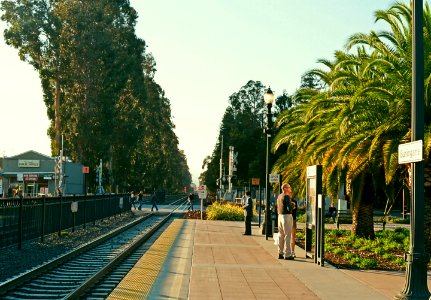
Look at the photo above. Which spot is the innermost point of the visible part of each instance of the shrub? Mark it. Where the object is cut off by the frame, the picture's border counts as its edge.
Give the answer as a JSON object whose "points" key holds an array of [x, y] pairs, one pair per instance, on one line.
{"points": [[388, 256], [367, 263], [348, 256], [226, 212], [338, 251]]}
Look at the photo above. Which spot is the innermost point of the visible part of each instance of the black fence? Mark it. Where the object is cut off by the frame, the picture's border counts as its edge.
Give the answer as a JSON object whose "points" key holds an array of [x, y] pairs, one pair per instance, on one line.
{"points": [[30, 218]]}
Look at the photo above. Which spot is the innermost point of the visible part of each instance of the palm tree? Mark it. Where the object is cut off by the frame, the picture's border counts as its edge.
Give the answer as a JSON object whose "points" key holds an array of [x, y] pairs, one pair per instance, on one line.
{"points": [[353, 127], [394, 50]]}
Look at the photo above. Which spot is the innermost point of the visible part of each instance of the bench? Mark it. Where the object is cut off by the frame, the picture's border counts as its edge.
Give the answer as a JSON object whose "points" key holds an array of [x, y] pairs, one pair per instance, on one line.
{"points": [[343, 216]]}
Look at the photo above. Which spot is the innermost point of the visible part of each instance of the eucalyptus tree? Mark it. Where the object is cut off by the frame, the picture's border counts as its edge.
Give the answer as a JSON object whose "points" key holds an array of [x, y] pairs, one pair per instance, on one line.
{"points": [[34, 29], [157, 162]]}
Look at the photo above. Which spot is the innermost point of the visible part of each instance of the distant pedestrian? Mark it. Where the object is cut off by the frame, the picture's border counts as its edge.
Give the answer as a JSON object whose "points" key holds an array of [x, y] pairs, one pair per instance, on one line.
{"points": [[133, 199], [190, 201], [332, 212], [140, 199], [248, 213], [154, 202]]}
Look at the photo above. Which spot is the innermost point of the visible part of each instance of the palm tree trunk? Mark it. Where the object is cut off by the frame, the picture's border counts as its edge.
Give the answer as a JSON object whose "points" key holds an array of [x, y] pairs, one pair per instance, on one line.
{"points": [[362, 209]]}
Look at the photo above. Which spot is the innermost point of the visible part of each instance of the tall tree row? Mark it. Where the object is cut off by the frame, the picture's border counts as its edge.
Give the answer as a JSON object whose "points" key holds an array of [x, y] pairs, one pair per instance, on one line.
{"points": [[100, 94]]}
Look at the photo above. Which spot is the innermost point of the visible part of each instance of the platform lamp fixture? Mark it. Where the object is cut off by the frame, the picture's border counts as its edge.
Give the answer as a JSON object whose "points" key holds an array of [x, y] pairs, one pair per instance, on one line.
{"points": [[269, 99]]}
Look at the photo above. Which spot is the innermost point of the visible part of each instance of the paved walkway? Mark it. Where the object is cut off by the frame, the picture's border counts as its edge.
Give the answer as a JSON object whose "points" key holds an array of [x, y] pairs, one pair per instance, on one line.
{"points": [[213, 260]]}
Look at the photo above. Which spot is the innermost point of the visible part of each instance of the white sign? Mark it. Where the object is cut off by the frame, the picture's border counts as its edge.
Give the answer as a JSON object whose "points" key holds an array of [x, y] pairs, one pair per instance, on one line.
{"points": [[202, 191], [274, 178], [74, 206], [410, 152], [28, 163], [311, 171]]}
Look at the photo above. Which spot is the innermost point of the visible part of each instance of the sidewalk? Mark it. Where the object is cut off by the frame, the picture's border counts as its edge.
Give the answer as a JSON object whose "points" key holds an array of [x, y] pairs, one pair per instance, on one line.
{"points": [[213, 260], [228, 265]]}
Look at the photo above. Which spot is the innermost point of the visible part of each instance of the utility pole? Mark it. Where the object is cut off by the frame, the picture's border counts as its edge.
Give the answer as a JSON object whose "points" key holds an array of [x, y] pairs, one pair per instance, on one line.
{"points": [[230, 167], [221, 168]]}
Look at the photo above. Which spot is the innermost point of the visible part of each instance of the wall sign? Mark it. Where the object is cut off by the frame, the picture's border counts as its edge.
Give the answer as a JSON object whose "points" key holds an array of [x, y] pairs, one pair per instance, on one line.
{"points": [[28, 163]]}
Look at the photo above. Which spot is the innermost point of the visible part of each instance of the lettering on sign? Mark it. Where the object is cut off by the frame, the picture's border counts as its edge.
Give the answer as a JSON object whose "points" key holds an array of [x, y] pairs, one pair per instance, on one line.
{"points": [[410, 152], [30, 177], [255, 181], [274, 178], [28, 163]]}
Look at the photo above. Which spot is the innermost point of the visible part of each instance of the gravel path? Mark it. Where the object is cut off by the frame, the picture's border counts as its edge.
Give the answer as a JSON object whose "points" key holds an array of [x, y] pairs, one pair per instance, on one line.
{"points": [[32, 254]]}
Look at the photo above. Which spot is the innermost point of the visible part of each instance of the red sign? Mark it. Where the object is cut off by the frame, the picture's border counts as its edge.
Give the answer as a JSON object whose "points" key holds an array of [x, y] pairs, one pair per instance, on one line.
{"points": [[85, 170], [255, 181], [30, 177]]}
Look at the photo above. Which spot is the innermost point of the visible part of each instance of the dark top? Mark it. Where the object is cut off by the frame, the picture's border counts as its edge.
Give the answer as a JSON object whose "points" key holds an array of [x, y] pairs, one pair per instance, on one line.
{"points": [[248, 207], [153, 199], [294, 209], [287, 205]]}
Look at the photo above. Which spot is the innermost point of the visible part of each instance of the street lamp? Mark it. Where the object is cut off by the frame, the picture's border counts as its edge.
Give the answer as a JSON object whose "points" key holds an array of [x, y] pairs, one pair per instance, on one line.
{"points": [[269, 99], [417, 259]]}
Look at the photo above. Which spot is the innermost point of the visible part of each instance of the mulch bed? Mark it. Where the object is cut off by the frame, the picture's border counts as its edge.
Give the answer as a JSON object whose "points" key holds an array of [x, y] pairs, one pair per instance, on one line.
{"points": [[195, 214]]}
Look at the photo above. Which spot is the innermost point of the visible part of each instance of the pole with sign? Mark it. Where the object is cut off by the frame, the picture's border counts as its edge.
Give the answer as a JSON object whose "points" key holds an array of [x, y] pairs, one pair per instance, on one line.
{"points": [[202, 191]]}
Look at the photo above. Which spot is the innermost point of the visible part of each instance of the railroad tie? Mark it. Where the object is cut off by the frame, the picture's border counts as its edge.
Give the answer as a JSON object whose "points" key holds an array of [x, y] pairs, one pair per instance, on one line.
{"points": [[138, 283]]}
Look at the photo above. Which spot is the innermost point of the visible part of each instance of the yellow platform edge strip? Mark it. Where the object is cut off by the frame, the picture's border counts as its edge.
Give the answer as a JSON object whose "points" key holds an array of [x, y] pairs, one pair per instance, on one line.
{"points": [[138, 282]]}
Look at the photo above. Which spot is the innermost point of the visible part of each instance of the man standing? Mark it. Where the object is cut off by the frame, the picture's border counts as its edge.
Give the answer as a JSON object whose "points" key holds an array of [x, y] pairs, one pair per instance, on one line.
{"points": [[285, 222], [248, 212]]}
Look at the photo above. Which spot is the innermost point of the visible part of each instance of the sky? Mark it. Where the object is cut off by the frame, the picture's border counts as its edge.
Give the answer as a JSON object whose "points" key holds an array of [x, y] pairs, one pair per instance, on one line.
{"points": [[205, 51]]}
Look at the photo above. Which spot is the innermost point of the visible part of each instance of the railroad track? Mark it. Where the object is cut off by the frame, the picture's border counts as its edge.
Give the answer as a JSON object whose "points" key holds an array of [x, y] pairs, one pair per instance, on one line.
{"points": [[91, 271]]}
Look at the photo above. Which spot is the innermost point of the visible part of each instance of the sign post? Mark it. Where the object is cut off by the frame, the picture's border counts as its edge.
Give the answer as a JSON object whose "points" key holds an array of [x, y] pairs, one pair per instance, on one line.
{"points": [[202, 190]]}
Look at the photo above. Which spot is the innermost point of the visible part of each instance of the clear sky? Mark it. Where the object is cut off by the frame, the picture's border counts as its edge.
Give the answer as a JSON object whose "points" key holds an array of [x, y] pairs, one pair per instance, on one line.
{"points": [[205, 51]]}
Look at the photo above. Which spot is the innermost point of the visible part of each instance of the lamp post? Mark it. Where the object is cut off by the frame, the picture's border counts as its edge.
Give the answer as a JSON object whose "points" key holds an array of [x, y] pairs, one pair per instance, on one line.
{"points": [[269, 99], [417, 259]]}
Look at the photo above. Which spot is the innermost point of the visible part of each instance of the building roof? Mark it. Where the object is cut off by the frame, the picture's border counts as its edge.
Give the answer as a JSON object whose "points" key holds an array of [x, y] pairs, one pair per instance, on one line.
{"points": [[31, 154]]}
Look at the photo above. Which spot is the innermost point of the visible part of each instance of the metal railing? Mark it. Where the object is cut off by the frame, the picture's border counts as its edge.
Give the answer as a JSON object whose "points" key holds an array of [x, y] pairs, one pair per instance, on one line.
{"points": [[23, 219]]}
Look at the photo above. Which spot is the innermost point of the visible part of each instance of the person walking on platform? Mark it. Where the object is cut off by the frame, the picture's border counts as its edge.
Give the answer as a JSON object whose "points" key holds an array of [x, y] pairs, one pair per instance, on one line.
{"points": [[140, 199], [154, 202], [285, 222], [190, 200], [133, 199], [248, 212]]}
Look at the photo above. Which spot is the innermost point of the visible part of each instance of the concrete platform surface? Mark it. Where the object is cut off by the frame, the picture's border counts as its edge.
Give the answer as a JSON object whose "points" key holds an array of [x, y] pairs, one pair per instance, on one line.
{"points": [[213, 260]]}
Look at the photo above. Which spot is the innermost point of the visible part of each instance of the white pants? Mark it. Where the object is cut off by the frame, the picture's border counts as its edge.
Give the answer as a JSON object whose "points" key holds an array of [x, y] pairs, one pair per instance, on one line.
{"points": [[285, 223]]}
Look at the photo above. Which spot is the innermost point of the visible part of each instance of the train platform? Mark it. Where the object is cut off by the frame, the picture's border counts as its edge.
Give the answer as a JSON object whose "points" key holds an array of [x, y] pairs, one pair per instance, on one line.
{"points": [[201, 259]]}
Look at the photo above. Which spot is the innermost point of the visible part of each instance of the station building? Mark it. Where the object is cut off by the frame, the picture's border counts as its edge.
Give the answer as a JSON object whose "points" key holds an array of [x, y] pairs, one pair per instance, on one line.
{"points": [[35, 174]]}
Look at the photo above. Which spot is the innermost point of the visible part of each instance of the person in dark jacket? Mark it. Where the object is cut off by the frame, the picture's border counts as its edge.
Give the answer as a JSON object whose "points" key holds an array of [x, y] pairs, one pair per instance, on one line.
{"points": [[140, 199], [248, 212], [190, 201], [154, 202]]}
